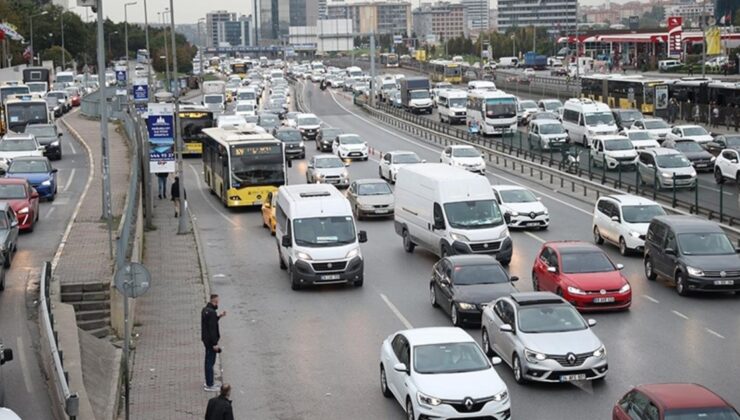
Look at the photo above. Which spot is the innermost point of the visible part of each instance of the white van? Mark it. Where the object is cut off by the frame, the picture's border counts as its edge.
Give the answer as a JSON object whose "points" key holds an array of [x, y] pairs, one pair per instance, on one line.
{"points": [[318, 242], [247, 95], [452, 106], [584, 118], [481, 85], [448, 211], [508, 62]]}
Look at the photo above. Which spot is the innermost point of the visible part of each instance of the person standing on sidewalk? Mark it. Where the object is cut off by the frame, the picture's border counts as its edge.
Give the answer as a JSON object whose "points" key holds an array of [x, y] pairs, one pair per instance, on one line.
{"points": [[175, 194], [162, 183], [219, 408], [715, 115], [210, 335]]}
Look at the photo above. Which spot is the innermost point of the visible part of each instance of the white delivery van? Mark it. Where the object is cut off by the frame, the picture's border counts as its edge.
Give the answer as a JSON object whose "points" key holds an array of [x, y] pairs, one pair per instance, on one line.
{"points": [[448, 211], [584, 118], [481, 85], [214, 87], [452, 105], [508, 62], [318, 242]]}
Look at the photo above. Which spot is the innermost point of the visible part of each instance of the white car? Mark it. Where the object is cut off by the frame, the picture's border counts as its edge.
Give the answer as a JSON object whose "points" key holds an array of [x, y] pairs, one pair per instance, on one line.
{"points": [[230, 121], [657, 127], [244, 109], [727, 166], [612, 152], [623, 220], [694, 132], [350, 146], [465, 157], [391, 162], [524, 209], [529, 72], [641, 139], [441, 372], [15, 145]]}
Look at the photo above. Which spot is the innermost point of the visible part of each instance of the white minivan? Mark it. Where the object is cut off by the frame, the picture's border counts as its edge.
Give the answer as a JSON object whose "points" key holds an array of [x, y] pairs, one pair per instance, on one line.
{"points": [[452, 106], [317, 240], [584, 118], [448, 210]]}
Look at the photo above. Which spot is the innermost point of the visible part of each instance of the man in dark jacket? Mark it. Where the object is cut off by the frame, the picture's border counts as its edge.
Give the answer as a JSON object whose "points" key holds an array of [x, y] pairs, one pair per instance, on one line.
{"points": [[210, 335], [219, 408]]}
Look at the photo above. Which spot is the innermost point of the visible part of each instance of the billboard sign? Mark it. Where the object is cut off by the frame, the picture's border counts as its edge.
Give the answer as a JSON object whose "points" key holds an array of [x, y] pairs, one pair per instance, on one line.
{"points": [[675, 35], [141, 90], [161, 130]]}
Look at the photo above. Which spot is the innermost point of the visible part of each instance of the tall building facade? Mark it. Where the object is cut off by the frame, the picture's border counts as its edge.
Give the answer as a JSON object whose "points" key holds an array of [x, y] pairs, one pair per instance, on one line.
{"points": [[276, 16], [235, 32], [553, 14], [444, 20], [382, 17], [213, 20], [477, 12]]}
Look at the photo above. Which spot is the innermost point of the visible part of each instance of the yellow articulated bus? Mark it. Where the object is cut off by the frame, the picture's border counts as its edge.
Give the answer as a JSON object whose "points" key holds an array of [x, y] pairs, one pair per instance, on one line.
{"points": [[446, 71], [193, 119], [626, 91], [242, 166]]}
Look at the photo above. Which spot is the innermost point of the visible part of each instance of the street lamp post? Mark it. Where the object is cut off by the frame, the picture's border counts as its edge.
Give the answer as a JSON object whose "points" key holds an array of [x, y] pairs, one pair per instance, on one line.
{"points": [[166, 53], [182, 226], [125, 31], [704, 40], [147, 184], [30, 21], [64, 52], [110, 49], [201, 40]]}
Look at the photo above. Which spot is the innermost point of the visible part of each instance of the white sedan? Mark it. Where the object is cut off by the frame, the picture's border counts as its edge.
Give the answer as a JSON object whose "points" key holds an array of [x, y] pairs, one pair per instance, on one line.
{"points": [[657, 127], [465, 157], [441, 372], [524, 209], [350, 146], [694, 132], [391, 162]]}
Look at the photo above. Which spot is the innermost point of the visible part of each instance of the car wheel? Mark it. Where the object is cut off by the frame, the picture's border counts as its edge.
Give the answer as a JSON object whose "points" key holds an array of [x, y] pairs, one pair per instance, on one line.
{"points": [[408, 246], [487, 343], [359, 282], [535, 283], [598, 240], [454, 316], [280, 258], [432, 296], [585, 141], [380, 173], [384, 383], [649, 270], [6, 263], [293, 281], [2, 281], [718, 178], [358, 216], [623, 250], [681, 287], [410, 410], [444, 252], [516, 366]]}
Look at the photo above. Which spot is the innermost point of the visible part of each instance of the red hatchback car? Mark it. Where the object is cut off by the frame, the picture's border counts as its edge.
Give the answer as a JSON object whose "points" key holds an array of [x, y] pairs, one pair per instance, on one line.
{"points": [[23, 199], [583, 275], [673, 402]]}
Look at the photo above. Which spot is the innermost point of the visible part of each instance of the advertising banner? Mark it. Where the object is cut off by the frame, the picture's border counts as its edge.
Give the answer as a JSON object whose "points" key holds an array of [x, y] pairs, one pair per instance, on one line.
{"points": [[675, 34], [661, 97], [161, 129], [141, 90]]}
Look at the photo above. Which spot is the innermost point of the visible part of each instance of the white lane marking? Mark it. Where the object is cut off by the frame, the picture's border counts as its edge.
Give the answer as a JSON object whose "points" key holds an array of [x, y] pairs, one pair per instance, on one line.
{"points": [[715, 333], [207, 199], [48, 213], [651, 299], [69, 180], [714, 189], [24, 363], [679, 314], [71, 146], [396, 312], [424, 146], [535, 237]]}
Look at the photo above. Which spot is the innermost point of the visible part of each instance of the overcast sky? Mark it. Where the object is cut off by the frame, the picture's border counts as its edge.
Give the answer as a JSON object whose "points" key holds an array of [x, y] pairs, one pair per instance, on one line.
{"points": [[189, 11]]}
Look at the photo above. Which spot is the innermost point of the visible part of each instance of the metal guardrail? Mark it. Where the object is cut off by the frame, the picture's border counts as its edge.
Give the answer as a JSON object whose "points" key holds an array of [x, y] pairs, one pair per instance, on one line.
{"points": [[136, 131], [69, 399]]}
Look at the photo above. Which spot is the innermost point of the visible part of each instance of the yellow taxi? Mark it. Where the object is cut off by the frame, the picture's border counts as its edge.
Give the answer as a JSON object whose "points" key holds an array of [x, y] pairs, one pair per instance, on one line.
{"points": [[268, 212]]}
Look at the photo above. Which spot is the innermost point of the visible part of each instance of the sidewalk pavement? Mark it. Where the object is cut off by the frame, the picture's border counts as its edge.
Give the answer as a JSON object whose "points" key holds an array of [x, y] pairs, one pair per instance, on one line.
{"points": [[167, 375]]}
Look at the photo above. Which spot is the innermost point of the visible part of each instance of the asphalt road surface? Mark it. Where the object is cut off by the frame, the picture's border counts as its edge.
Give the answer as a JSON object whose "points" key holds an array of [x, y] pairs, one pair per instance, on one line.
{"points": [[25, 386]]}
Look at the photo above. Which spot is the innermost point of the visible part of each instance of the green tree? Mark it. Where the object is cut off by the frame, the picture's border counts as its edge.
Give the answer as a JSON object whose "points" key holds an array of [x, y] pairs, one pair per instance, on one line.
{"points": [[55, 53]]}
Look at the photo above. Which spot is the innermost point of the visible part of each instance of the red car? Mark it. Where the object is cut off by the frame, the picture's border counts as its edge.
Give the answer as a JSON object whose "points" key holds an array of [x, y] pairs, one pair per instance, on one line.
{"points": [[673, 401], [583, 275], [23, 199], [74, 96]]}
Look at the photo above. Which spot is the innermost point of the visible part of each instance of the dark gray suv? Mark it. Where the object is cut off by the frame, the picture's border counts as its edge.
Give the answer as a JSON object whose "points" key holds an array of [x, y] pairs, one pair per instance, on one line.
{"points": [[696, 254], [6, 355]]}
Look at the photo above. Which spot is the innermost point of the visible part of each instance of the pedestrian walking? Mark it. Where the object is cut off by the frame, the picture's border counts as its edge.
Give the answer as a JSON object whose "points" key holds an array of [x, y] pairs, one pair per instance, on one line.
{"points": [[737, 118], [219, 408], [697, 117], [162, 184], [175, 194], [210, 335], [672, 109], [715, 116], [691, 69]]}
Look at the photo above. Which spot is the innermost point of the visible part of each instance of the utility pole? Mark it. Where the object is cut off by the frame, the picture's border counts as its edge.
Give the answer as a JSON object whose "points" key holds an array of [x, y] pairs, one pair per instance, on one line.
{"points": [[30, 21], [200, 53], [125, 31], [182, 226], [147, 184], [103, 105], [578, 47], [64, 52], [704, 40], [256, 27], [166, 53], [372, 68]]}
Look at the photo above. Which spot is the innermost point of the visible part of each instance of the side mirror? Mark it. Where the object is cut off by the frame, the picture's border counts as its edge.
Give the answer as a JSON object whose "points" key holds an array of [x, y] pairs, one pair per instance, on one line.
{"points": [[34, 194], [496, 361], [400, 367], [309, 166], [7, 356], [290, 163], [615, 219], [55, 170], [346, 164], [14, 223], [513, 278], [362, 236], [423, 161], [439, 225], [286, 241], [620, 266], [737, 250], [506, 328], [591, 322], [552, 269], [507, 218], [59, 135], [670, 251], [650, 165]]}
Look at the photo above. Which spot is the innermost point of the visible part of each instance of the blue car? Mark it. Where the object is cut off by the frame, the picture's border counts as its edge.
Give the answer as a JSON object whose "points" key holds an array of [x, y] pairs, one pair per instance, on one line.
{"points": [[38, 172]]}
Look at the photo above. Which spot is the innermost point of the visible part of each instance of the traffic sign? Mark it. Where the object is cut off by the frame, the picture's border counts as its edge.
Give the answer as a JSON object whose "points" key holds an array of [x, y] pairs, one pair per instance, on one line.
{"points": [[133, 280]]}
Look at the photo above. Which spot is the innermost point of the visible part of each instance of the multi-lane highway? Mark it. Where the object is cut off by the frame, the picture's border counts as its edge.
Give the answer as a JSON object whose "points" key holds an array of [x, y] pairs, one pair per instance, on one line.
{"points": [[25, 386], [314, 353]]}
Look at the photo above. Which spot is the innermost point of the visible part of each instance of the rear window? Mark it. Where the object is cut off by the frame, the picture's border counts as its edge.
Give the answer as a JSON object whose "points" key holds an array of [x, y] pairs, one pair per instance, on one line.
{"points": [[720, 413]]}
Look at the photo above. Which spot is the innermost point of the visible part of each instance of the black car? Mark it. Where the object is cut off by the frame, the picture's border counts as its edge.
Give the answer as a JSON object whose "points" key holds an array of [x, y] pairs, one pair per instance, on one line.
{"points": [[54, 106], [695, 253], [6, 355], [326, 137], [722, 142], [697, 155], [293, 141], [625, 117], [48, 136], [463, 284]]}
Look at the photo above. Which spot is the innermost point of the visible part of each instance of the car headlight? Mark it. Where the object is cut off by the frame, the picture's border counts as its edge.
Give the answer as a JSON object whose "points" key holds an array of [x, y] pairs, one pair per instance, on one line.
{"points": [[352, 253], [345, 174], [501, 396], [575, 291], [600, 352], [301, 144], [635, 234], [626, 288], [514, 213], [55, 143], [24, 210], [303, 256], [466, 306], [534, 356], [666, 174], [712, 159], [427, 400], [695, 272], [459, 237], [46, 183]]}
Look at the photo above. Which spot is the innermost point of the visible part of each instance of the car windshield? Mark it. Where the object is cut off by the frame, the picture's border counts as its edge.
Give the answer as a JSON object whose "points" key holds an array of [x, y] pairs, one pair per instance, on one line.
{"points": [[672, 161], [705, 244], [585, 262], [500, 107], [388, 86], [351, 139], [308, 121], [329, 162], [528, 105], [12, 191], [639, 135], [449, 358], [28, 167], [213, 99], [694, 131], [289, 135], [616, 145], [324, 231], [599, 118], [551, 129], [656, 124], [465, 152], [545, 116], [419, 94], [12, 145], [457, 102], [244, 108], [375, 188], [41, 130], [641, 214], [688, 146], [328, 133], [479, 274], [477, 214], [733, 141], [552, 105], [550, 319], [517, 196], [406, 158], [713, 413], [269, 120], [630, 115]]}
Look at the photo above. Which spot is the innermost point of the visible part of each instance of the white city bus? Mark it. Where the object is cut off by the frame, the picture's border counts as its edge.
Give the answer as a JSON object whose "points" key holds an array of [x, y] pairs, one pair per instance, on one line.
{"points": [[494, 111]]}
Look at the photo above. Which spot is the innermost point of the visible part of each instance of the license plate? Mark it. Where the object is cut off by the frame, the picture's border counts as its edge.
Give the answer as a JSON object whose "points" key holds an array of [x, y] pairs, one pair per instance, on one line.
{"points": [[330, 277], [382, 211], [604, 299], [533, 224], [723, 282], [701, 165], [568, 378]]}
